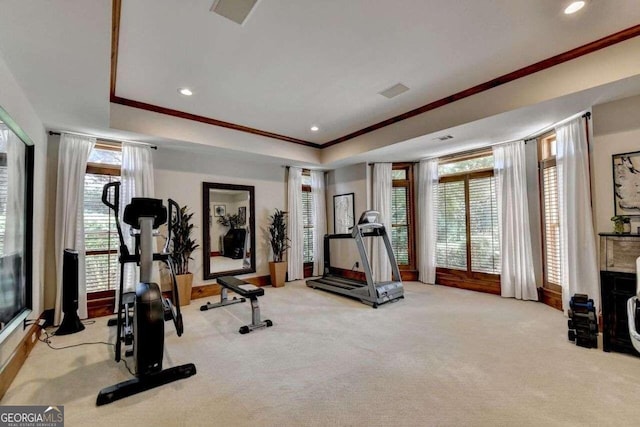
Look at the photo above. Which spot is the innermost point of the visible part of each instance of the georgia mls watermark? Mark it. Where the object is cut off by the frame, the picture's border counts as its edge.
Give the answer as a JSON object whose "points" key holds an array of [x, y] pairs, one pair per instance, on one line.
{"points": [[32, 416]]}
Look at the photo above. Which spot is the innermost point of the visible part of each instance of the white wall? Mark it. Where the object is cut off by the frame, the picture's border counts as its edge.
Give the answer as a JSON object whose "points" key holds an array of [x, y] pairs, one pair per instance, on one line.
{"points": [[349, 179], [616, 129], [179, 175], [15, 103]]}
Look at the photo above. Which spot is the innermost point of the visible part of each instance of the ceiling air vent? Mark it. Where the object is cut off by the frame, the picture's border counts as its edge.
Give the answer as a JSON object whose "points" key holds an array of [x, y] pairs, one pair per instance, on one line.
{"points": [[235, 10], [394, 90], [444, 138]]}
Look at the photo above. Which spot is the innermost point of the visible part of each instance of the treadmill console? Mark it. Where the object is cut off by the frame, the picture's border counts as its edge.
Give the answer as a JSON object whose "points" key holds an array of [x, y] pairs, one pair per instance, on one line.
{"points": [[369, 217]]}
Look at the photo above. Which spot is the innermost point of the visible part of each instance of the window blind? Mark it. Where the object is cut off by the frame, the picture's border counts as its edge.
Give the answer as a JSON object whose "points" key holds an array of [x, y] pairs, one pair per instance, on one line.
{"points": [[101, 236], [451, 245], [400, 224], [552, 225], [483, 219], [3, 205], [307, 220]]}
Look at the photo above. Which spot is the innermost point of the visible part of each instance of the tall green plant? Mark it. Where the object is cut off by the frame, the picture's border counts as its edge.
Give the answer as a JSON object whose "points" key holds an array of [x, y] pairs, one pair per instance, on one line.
{"points": [[233, 221], [182, 243], [278, 235]]}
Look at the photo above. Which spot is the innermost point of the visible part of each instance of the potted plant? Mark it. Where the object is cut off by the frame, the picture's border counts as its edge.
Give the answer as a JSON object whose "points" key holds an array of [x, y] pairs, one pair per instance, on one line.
{"points": [[621, 224], [233, 221], [182, 248], [279, 244]]}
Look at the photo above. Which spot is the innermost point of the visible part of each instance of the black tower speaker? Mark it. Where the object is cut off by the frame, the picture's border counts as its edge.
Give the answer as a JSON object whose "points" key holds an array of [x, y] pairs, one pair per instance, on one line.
{"points": [[71, 322]]}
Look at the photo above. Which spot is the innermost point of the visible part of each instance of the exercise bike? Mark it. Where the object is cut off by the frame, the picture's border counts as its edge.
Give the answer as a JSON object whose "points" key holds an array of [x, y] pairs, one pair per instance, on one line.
{"points": [[141, 313]]}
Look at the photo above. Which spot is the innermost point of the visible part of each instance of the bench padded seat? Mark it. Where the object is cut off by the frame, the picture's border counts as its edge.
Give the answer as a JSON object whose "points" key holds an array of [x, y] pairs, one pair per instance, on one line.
{"points": [[241, 288]]}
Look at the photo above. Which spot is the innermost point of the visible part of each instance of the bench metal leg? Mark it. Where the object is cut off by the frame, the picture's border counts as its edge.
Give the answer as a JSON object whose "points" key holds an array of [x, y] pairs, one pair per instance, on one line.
{"points": [[255, 319], [255, 312], [223, 301], [251, 293]]}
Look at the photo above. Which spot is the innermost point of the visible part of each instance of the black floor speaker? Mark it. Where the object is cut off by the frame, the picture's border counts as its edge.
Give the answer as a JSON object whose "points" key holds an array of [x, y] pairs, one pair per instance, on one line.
{"points": [[70, 322]]}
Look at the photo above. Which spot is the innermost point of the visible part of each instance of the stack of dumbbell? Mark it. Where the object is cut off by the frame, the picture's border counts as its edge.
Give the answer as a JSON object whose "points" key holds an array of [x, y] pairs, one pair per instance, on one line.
{"points": [[583, 322]]}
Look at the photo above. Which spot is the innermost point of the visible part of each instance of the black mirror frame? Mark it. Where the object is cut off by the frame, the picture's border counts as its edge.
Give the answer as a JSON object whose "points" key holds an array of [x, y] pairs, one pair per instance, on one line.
{"points": [[206, 229], [28, 224]]}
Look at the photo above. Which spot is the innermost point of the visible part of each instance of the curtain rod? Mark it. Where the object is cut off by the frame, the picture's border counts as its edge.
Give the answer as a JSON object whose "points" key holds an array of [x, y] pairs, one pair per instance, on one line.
{"points": [[304, 168], [411, 161], [532, 136], [153, 147], [535, 135]]}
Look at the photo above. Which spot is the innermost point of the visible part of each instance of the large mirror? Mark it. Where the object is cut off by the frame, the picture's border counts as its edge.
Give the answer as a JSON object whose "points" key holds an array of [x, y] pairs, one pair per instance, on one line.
{"points": [[228, 214], [16, 189]]}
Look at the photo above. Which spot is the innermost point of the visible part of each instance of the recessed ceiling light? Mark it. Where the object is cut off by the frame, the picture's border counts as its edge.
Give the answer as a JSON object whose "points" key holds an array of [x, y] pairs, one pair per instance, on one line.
{"points": [[315, 128], [574, 7], [185, 91]]}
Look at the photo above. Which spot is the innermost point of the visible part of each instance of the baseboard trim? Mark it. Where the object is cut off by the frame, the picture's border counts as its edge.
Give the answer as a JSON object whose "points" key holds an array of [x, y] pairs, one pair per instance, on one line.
{"points": [[348, 274], [550, 297], [409, 275], [18, 357], [479, 282], [102, 305], [214, 289]]}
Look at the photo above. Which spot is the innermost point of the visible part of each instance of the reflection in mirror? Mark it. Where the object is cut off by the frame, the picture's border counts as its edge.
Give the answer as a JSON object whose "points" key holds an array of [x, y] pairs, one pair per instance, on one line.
{"points": [[229, 229], [16, 169]]}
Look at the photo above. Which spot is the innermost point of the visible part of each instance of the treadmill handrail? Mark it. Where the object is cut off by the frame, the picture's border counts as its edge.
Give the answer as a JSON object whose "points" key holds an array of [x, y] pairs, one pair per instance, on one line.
{"points": [[370, 225]]}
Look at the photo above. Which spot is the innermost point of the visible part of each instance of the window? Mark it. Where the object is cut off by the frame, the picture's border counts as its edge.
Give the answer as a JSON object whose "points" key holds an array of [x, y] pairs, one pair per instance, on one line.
{"points": [[4, 184], [307, 218], [451, 246], [101, 235], [552, 265], [468, 245], [402, 230]]}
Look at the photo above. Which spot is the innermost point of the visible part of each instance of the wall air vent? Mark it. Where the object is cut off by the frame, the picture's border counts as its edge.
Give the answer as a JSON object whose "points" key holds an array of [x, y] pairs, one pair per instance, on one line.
{"points": [[235, 10], [444, 138], [394, 91]]}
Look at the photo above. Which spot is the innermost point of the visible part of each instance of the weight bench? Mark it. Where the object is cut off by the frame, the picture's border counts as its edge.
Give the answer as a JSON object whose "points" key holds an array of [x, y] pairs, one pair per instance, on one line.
{"points": [[245, 290]]}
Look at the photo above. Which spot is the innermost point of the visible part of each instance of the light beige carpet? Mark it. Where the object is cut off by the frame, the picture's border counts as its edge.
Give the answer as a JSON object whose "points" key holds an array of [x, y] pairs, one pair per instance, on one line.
{"points": [[441, 356]]}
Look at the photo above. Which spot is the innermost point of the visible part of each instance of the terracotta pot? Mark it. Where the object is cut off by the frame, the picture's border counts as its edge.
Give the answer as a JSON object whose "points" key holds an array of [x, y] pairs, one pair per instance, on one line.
{"points": [[278, 271], [185, 281]]}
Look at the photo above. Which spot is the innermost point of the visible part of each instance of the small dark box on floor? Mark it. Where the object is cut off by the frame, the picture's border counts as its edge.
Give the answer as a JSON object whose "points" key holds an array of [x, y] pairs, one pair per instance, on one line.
{"points": [[583, 322]]}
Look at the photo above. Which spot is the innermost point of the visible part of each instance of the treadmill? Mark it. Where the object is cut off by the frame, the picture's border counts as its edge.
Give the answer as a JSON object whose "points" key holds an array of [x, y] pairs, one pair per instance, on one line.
{"points": [[633, 312], [369, 292]]}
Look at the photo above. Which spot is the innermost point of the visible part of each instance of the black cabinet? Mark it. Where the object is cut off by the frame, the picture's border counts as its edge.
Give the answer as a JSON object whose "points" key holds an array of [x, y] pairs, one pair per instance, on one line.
{"points": [[234, 243], [617, 288]]}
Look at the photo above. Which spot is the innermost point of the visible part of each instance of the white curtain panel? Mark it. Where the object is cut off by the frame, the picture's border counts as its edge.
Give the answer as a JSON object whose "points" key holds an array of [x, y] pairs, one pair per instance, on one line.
{"points": [[72, 165], [4, 134], [15, 207], [577, 237], [319, 212], [136, 181], [381, 195], [427, 219], [295, 225], [517, 277]]}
